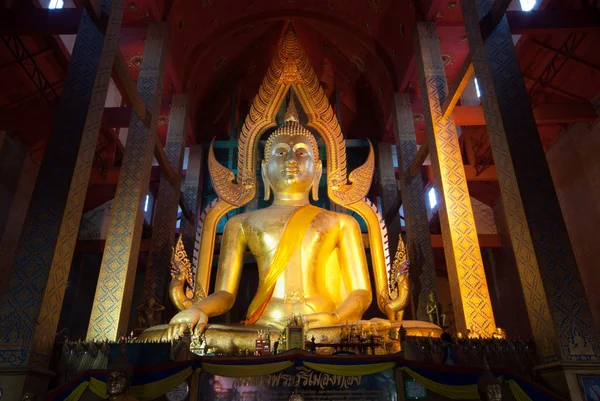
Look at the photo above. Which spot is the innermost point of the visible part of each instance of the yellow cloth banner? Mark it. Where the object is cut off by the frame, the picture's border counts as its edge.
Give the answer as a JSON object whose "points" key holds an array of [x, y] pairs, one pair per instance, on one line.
{"points": [[464, 392], [350, 370], [151, 391], [517, 391], [245, 370], [290, 240], [145, 392], [78, 392]]}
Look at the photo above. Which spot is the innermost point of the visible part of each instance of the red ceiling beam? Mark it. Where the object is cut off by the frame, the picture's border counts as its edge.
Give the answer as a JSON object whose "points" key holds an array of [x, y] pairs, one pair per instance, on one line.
{"points": [[552, 21], [563, 53], [565, 113], [544, 21], [458, 86], [39, 21], [561, 113]]}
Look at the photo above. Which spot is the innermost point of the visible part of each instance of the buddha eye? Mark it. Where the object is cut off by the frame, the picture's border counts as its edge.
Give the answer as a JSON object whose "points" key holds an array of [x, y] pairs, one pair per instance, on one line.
{"points": [[280, 152]]}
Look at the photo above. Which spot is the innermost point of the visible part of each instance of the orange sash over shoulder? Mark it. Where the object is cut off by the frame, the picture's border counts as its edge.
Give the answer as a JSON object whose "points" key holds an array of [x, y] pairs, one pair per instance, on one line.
{"points": [[291, 239]]}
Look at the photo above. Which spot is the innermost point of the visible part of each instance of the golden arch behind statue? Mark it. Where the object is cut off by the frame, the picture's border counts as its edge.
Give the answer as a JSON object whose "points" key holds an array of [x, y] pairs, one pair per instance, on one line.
{"points": [[290, 69]]}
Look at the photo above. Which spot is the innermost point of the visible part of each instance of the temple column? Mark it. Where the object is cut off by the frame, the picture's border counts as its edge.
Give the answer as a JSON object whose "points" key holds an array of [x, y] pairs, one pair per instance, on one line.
{"points": [[557, 306], [12, 159], [167, 203], [16, 216], [468, 285], [192, 192], [112, 302], [420, 253], [390, 195], [31, 305]]}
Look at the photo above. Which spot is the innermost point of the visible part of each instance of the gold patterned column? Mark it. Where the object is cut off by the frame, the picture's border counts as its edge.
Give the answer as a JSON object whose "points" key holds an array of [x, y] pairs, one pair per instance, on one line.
{"points": [[30, 307], [112, 302], [192, 196], [418, 236], [167, 203], [390, 201], [559, 314], [468, 285]]}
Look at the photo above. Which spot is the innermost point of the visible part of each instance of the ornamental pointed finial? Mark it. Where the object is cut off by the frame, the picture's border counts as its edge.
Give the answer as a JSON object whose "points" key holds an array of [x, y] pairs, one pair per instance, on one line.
{"points": [[291, 113], [290, 45]]}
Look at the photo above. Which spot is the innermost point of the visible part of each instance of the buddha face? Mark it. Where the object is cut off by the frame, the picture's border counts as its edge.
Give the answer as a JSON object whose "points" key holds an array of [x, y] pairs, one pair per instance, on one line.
{"points": [[493, 392], [291, 165], [116, 383]]}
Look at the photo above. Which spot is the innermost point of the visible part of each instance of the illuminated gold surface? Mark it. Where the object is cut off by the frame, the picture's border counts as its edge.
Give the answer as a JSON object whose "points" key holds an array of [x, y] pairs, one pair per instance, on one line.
{"points": [[181, 277], [290, 69], [325, 279], [229, 339], [399, 285], [468, 284]]}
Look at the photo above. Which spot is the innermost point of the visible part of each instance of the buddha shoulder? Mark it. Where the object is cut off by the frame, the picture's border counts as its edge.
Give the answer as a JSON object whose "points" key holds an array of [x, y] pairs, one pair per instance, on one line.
{"points": [[347, 221], [272, 217]]}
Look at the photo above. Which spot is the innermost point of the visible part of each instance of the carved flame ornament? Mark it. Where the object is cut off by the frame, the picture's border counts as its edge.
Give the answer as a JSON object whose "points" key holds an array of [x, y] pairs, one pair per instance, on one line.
{"points": [[290, 69]]}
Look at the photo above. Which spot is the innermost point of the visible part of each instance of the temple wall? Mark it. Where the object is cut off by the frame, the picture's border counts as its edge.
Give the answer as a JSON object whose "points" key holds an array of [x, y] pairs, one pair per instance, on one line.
{"points": [[79, 295], [575, 167], [484, 217]]}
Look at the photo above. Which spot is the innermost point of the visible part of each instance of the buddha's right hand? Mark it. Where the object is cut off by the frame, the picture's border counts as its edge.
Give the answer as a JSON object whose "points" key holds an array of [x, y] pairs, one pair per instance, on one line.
{"points": [[193, 318]]}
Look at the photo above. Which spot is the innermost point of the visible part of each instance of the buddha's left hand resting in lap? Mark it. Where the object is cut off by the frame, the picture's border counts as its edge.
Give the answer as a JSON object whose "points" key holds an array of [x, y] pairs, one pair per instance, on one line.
{"points": [[310, 261]]}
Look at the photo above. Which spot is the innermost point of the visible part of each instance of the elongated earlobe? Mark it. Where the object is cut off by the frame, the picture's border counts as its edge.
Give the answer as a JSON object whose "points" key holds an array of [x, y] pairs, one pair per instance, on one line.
{"points": [[317, 180], [266, 183]]}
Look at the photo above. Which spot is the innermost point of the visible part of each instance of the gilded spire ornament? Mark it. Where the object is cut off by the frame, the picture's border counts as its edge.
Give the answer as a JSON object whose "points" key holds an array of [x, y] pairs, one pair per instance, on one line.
{"points": [[290, 70], [291, 114]]}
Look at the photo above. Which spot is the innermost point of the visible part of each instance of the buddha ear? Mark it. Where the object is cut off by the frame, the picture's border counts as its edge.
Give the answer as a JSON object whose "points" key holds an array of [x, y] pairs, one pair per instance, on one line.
{"points": [[267, 184], [317, 179]]}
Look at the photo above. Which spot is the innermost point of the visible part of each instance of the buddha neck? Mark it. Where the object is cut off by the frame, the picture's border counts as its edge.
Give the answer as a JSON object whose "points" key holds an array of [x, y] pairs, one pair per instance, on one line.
{"points": [[297, 199]]}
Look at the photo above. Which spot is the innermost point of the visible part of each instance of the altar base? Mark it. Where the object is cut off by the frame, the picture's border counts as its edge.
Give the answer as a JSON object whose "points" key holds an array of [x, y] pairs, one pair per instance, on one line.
{"points": [[234, 339]]}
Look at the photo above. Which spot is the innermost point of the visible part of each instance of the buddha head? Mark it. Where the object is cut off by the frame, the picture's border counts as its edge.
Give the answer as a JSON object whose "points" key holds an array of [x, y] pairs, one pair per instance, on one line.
{"points": [[118, 375], [291, 164], [488, 386]]}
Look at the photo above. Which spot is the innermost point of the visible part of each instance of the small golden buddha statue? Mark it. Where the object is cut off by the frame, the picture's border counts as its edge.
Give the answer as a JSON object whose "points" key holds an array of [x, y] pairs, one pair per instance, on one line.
{"points": [[473, 334], [432, 309], [488, 386], [297, 248], [150, 313], [499, 334], [118, 378]]}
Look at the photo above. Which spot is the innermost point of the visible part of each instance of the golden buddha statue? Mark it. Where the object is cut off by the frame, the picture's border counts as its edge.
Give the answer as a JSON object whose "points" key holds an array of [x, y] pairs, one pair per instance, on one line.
{"points": [[311, 261]]}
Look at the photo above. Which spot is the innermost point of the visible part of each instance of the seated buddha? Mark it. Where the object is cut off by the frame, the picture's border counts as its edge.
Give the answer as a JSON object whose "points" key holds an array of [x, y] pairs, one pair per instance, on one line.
{"points": [[311, 261]]}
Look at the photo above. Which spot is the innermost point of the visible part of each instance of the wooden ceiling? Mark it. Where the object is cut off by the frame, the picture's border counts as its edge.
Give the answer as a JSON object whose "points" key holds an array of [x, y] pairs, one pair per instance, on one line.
{"points": [[359, 48]]}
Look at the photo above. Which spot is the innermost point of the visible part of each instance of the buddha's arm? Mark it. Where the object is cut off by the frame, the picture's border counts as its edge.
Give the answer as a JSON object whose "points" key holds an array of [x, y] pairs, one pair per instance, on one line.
{"points": [[355, 274], [231, 261], [228, 278]]}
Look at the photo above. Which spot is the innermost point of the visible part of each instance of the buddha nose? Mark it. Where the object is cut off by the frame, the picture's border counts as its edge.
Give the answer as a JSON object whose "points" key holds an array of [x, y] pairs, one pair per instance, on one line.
{"points": [[290, 160]]}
